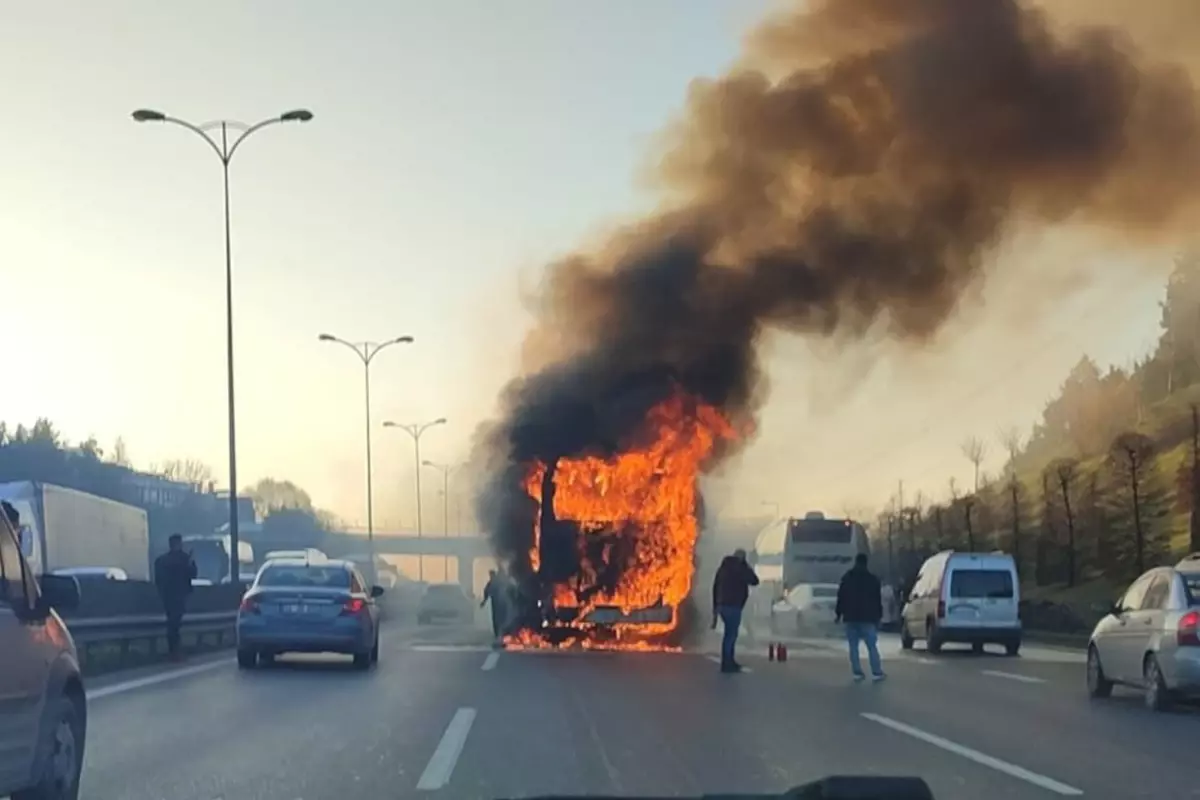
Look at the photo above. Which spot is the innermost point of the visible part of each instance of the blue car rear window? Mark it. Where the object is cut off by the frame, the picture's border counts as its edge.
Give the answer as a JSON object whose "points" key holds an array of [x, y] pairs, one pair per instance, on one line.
{"points": [[324, 577]]}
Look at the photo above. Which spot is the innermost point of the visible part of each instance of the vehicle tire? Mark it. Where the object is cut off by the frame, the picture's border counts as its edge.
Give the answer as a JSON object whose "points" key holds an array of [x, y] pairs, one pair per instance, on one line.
{"points": [[375, 651], [1097, 684], [247, 658], [1012, 648], [977, 648], [362, 661], [933, 642], [1157, 696], [906, 639], [266, 658], [60, 754]]}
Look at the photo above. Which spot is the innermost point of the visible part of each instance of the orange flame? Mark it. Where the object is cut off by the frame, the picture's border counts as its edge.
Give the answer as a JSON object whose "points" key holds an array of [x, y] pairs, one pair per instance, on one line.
{"points": [[651, 490]]}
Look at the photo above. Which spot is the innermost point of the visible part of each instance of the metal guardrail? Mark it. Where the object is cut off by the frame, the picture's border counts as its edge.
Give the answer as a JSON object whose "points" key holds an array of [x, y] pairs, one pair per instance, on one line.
{"points": [[106, 644], [108, 629]]}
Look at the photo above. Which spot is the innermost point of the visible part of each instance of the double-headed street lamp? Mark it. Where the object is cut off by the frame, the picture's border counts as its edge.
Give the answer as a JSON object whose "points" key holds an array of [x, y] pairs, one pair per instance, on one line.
{"points": [[366, 352], [415, 429], [225, 150]]}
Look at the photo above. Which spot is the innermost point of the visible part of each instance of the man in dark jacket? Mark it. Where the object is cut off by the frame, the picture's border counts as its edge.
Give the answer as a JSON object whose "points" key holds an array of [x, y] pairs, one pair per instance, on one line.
{"points": [[173, 574], [860, 606], [496, 590], [731, 589]]}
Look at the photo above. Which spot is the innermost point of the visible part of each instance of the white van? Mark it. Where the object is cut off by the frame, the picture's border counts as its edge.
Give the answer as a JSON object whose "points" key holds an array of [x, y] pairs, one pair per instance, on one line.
{"points": [[969, 598]]}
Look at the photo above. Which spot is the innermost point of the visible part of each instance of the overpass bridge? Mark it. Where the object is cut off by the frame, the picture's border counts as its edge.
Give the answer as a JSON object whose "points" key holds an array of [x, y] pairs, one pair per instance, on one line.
{"points": [[465, 550]]}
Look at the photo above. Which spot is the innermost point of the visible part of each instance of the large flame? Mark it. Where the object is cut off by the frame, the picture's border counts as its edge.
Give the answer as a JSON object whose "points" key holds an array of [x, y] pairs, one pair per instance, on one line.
{"points": [[637, 516]]}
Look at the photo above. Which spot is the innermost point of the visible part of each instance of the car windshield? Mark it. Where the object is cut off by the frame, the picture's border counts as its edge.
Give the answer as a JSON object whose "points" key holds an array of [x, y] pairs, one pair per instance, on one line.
{"points": [[981, 583], [287, 575]]}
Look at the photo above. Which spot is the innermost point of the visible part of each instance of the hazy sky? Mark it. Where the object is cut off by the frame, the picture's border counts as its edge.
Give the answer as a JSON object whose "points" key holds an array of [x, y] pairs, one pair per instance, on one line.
{"points": [[456, 147]]}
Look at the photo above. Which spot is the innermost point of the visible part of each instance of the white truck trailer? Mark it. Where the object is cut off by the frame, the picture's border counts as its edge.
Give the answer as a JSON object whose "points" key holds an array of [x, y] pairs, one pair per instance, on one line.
{"points": [[64, 528]]}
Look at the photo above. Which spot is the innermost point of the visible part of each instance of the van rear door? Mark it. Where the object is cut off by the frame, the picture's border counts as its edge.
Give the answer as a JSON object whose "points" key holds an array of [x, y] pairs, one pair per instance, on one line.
{"points": [[981, 594]]}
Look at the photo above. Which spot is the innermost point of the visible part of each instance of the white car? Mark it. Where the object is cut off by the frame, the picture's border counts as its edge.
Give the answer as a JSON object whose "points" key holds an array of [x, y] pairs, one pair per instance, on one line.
{"points": [[806, 609], [968, 598]]}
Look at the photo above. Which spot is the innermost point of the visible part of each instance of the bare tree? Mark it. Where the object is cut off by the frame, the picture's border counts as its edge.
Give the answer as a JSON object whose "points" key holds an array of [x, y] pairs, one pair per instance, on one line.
{"points": [[1010, 438], [1064, 471], [1194, 484], [975, 449], [186, 470], [1133, 454], [968, 505]]}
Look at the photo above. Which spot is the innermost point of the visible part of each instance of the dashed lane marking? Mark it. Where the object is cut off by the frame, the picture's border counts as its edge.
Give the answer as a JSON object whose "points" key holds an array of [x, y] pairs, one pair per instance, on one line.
{"points": [[441, 765], [1012, 676], [151, 680], [489, 663], [983, 759]]}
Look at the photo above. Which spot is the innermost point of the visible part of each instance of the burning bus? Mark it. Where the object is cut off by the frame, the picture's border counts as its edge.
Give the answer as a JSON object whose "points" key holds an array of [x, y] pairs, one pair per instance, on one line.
{"points": [[612, 544]]}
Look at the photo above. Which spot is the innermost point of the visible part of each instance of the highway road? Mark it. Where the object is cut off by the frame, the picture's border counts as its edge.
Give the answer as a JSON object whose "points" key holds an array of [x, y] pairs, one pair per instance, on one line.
{"points": [[445, 716]]}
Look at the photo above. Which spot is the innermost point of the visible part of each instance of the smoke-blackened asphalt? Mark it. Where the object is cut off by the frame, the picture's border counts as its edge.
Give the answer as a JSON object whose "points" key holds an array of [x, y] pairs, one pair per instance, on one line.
{"points": [[444, 716]]}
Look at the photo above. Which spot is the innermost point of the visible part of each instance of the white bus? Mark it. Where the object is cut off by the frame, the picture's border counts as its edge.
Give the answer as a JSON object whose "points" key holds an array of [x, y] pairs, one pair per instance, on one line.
{"points": [[809, 550]]}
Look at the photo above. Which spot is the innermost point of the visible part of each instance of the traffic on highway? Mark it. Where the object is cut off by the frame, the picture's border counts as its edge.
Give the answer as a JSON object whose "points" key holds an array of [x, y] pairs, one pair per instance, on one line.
{"points": [[519, 546]]}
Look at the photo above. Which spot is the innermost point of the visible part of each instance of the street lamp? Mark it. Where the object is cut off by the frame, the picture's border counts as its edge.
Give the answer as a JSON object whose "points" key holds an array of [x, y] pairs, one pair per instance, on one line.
{"points": [[225, 150], [366, 352], [445, 469], [415, 429]]}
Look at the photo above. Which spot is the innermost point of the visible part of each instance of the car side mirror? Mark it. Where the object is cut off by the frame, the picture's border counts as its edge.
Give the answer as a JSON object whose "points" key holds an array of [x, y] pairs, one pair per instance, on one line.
{"points": [[376, 591], [60, 592]]}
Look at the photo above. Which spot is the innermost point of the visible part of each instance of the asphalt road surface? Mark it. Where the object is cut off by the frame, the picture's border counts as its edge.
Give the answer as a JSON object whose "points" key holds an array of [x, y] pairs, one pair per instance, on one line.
{"points": [[444, 716]]}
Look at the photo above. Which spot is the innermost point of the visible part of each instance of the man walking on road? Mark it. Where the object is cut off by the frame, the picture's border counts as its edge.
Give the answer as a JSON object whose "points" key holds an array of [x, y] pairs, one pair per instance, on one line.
{"points": [[173, 574], [731, 589], [496, 590], [860, 607]]}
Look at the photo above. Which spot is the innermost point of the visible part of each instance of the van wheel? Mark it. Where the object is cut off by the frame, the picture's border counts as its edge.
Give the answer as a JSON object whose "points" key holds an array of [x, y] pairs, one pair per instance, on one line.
{"points": [[362, 661], [977, 648], [906, 639], [1097, 684], [1012, 648], [933, 642], [60, 756]]}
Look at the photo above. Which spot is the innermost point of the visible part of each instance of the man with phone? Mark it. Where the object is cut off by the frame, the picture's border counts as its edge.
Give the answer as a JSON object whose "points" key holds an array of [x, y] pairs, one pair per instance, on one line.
{"points": [[731, 589], [173, 574]]}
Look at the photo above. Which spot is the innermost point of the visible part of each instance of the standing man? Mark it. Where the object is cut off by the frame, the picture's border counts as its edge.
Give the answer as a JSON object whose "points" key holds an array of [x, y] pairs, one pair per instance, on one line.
{"points": [[496, 591], [173, 574], [860, 606], [731, 589]]}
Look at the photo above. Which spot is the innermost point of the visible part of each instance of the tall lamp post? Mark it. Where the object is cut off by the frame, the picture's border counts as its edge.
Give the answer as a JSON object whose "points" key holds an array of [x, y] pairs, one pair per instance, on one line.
{"points": [[415, 429], [445, 469], [366, 352], [225, 148]]}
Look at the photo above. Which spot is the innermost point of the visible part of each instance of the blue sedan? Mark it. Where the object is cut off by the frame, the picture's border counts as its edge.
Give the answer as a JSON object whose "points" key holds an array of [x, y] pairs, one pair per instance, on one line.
{"points": [[302, 606]]}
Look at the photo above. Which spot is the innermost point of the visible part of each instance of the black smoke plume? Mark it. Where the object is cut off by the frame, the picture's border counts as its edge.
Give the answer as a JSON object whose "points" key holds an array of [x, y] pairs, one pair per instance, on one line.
{"points": [[854, 173]]}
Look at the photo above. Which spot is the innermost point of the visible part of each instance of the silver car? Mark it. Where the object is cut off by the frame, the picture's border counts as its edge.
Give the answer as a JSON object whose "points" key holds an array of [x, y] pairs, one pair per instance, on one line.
{"points": [[302, 606], [1150, 639]]}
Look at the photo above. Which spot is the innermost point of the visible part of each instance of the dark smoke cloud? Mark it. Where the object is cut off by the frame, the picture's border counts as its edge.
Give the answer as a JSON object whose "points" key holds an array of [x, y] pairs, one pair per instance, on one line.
{"points": [[855, 173]]}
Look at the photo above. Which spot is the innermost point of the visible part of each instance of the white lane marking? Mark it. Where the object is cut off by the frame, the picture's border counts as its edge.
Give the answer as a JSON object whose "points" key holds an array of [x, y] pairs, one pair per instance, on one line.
{"points": [[489, 663], [150, 680], [979, 758], [441, 765], [717, 660], [1012, 676], [450, 648]]}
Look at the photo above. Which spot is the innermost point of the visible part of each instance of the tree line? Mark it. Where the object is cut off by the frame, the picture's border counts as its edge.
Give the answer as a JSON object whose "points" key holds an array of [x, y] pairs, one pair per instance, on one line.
{"points": [[1104, 486], [41, 453]]}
